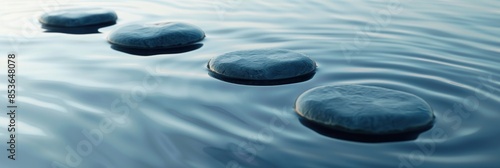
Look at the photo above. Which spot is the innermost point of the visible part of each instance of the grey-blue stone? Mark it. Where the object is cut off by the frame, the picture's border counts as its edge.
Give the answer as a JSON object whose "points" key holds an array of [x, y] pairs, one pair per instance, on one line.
{"points": [[78, 17], [263, 64], [156, 35], [364, 109]]}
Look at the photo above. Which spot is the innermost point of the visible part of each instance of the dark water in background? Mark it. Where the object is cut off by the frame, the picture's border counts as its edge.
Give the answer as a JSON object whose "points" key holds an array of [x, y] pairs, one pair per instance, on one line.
{"points": [[176, 115]]}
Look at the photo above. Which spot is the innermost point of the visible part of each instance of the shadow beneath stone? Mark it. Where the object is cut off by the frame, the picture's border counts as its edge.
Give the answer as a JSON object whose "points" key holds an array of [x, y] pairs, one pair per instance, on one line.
{"points": [[150, 52], [368, 138], [297, 79], [92, 29]]}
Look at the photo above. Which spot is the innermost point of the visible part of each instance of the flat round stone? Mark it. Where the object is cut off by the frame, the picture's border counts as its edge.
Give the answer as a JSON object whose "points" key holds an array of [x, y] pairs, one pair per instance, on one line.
{"points": [[78, 17], [264, 64], [364, 109], [156, 35]]}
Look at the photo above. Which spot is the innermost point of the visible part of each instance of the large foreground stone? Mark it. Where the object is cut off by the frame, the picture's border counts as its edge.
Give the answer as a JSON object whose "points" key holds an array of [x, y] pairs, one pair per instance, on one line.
{"points": [[364, 109], [78, 17], [264, 64], [156, 35]]}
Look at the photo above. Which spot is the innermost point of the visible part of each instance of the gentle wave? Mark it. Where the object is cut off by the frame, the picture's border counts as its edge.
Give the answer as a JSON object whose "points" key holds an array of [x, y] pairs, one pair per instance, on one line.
{"points": [[446, 53]]}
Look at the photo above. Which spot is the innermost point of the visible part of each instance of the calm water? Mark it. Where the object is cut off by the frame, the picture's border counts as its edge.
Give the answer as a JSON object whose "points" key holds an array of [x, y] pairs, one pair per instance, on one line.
{"points": [[166, 111]]}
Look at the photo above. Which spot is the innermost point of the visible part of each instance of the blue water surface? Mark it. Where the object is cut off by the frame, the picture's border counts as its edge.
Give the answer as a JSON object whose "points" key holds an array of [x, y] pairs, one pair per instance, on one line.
{"points": [[113, 109]]}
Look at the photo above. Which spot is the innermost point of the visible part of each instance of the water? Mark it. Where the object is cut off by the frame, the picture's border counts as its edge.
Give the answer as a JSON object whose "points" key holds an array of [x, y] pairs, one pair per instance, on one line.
{"points": [[168, 112]]}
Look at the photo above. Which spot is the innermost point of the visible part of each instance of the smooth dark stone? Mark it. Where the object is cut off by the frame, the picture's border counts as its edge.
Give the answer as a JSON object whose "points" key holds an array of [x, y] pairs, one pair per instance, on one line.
{"points": [[364, 109], [262, 65], [78, 17], [156, 35]]}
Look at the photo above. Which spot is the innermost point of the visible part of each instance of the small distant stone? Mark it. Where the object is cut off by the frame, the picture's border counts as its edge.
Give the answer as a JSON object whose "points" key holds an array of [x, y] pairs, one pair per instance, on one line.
{"points": [[364, 109], [263, 64], [78, 17], [156, 35]]}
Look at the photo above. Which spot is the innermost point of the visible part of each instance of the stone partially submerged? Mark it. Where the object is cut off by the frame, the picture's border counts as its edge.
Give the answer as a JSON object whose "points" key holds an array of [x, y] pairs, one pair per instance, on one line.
{"points": [[161, 35], [262, 65], [364, 109], [78, 17]]}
